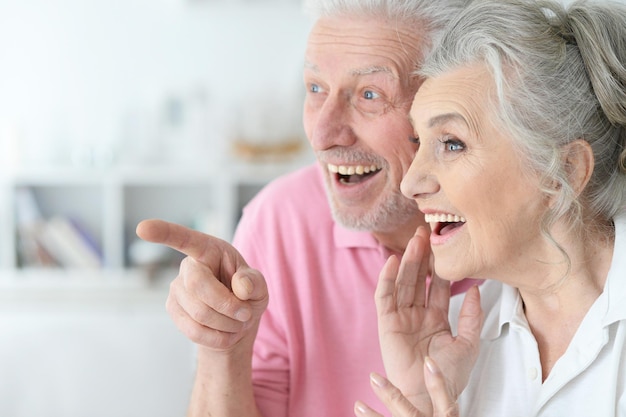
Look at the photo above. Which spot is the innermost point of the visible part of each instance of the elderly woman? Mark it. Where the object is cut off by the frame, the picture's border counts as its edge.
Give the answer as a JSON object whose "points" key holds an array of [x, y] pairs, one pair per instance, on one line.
{"points": [[521, 172]]}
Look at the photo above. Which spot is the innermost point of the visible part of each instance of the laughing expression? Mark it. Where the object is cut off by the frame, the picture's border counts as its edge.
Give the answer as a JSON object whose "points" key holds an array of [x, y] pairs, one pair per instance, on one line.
{"points": [[483, 204], [359, 91]]}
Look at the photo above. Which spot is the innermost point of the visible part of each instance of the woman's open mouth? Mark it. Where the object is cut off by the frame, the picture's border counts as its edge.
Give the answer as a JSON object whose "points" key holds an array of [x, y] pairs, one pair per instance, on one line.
{"points": [[442, 224]]}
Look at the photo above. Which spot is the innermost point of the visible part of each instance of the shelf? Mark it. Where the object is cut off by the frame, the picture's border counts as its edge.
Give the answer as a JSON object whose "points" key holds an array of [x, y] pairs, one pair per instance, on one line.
{"points": [[107, 205], [35, 278], [62, 290]]}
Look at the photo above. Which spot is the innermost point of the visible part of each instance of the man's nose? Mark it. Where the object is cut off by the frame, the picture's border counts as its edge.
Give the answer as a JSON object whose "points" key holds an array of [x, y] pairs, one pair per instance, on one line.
{"points": [[333, 124]]}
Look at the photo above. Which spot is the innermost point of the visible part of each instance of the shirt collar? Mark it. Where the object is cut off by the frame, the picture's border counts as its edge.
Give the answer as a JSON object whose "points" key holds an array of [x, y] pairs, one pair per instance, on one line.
{"points": [[355, 239], [346, 238], [506, 308], [615, 287]]}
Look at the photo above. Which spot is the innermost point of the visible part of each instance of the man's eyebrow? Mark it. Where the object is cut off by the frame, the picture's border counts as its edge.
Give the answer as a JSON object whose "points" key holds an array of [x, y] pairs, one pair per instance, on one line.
{"points": [[311, 66], [371, 70], [355, 72]]}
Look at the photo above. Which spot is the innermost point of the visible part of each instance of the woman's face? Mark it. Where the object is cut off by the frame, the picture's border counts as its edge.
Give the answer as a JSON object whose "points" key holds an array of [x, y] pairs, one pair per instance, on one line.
{"points": [[483, 205]]}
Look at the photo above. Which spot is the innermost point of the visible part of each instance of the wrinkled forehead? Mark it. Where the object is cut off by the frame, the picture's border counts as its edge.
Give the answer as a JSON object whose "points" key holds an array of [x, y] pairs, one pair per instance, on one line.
{"points": [[385, 43], [466, 92]]}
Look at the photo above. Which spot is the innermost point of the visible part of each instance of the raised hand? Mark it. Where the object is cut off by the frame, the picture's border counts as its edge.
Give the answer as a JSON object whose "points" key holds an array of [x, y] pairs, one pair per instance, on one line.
{"points": [[443, 403], [217, 299], [413, 324]]}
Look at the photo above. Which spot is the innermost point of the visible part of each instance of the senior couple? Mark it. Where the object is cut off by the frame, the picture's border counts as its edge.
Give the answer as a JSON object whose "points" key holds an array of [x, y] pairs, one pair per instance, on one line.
{"points": [[483, 140]]}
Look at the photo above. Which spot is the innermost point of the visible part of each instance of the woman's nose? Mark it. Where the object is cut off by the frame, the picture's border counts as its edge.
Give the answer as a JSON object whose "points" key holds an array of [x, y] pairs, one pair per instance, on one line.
{"points": [[419, 180]]}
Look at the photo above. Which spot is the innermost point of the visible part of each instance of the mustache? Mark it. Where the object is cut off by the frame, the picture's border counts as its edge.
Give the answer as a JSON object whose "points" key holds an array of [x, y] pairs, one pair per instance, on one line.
{"points": [[351, 157]]}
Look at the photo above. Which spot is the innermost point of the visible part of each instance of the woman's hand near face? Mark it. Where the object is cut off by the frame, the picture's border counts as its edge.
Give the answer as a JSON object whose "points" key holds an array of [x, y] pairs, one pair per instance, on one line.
{"points": [[413, 325]]}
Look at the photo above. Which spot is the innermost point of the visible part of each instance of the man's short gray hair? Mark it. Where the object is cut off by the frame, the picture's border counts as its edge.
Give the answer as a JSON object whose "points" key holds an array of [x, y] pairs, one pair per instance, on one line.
{"points": [[428, 16]]}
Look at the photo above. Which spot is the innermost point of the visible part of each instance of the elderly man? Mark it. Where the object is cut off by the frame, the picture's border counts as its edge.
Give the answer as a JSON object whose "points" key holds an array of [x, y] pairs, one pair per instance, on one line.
{"points": [[319, 236]]}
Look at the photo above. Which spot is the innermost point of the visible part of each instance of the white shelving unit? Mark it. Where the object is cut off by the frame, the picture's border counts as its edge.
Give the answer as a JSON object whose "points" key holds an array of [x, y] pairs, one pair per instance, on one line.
{"points": [[110, 202]]}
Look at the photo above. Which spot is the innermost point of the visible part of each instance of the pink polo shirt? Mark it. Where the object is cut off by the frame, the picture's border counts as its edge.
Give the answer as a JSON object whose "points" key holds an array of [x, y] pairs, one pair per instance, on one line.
{"points": [[318, 340]]}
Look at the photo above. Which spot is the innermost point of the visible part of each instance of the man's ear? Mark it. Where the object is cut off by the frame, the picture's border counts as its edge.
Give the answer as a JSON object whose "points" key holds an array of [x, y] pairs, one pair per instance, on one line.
{"points": [[579, 163]]}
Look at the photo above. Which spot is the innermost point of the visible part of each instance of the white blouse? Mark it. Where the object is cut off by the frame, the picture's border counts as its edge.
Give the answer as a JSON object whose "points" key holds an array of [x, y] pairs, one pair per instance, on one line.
{"points": [[588, 380]]}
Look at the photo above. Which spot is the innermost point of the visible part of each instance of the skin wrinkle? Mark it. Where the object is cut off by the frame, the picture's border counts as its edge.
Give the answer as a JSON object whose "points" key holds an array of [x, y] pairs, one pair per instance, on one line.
{"points": [[502, 236], [383, 44], [480, 161], [500, 220], [374, 71], [360, 131], [401, 43]]}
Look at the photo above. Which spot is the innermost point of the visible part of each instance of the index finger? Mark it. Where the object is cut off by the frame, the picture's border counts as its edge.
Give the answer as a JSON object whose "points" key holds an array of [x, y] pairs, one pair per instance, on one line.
{"points": [[204, 248]]}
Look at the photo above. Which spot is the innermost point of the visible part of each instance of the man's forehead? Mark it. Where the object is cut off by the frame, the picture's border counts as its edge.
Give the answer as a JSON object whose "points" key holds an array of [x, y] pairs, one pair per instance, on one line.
{"points": [[366, 36], [362, 48]]}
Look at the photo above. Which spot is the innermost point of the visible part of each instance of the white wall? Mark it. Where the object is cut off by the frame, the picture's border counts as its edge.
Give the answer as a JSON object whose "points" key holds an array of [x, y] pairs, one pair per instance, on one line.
{"points": [[78, 72]]}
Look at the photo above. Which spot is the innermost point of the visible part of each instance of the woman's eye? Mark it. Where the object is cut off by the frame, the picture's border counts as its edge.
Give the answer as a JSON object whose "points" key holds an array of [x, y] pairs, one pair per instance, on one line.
{"points": [[370, 95], [452, 145]]}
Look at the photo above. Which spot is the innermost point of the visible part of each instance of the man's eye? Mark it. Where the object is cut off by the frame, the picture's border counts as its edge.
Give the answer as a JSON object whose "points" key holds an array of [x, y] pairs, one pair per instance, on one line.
{"points": [[371, 102], [370, 95], [314, 88]]}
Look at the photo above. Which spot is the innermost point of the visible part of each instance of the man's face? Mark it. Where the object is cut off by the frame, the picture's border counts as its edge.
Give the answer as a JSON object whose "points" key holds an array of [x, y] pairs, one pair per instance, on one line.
{"points": [[359, 82]]}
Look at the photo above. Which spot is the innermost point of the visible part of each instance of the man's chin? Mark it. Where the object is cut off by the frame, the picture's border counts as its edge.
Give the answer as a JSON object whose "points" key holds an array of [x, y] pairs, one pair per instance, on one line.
{"points": [[354, 222]]}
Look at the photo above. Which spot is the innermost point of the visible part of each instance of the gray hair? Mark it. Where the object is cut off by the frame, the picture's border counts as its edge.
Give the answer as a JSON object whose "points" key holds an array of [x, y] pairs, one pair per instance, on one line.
{"points": [[429, 16], [560, 75]]}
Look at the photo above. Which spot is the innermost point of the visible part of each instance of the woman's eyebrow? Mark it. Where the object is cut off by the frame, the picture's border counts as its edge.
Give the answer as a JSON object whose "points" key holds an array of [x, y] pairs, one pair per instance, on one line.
{"points": [[441, 119]]}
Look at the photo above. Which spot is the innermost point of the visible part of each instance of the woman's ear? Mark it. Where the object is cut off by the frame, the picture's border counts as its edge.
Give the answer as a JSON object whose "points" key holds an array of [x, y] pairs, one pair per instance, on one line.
{"points": [[579, 163]]}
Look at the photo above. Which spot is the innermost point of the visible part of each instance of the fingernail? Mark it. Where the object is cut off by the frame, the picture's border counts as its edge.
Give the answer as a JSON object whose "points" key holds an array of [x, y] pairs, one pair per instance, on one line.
{"points": [[247, 283], [378, 380], [430, 364], [360, 407]]}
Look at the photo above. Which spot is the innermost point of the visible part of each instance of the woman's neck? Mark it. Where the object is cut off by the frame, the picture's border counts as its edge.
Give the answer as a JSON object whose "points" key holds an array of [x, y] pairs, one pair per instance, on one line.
{"points": [[555, 308]]}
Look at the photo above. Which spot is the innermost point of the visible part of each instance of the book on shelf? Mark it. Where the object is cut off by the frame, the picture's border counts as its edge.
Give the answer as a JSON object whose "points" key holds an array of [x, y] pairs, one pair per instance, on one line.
{"points": [[56, 241], [67, 244], [29, 220]]}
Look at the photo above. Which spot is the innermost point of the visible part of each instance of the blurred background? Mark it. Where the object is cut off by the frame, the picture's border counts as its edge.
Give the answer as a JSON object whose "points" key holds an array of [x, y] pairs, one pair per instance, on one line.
{"points": [[113, 111]]}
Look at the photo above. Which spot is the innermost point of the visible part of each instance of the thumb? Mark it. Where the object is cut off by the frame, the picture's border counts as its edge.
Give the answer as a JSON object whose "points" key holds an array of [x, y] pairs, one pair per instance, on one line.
{"points": [[249, 285]]}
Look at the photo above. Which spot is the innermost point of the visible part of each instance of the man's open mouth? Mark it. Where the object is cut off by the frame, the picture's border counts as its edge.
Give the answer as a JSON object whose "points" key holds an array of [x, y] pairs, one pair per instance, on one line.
{"points": [[353, 174]]}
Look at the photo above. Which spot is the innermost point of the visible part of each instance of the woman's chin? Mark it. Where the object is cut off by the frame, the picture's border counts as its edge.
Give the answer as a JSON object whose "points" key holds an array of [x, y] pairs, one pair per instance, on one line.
{"points": [[443, 271]]}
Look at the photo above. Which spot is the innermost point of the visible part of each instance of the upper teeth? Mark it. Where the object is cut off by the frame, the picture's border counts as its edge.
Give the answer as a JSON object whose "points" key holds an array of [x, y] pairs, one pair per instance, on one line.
{"points": [[352, 169], [440, 218]]}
